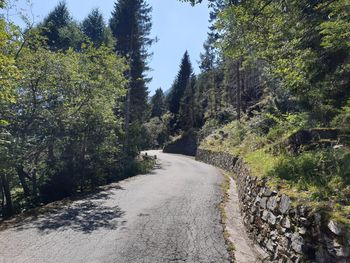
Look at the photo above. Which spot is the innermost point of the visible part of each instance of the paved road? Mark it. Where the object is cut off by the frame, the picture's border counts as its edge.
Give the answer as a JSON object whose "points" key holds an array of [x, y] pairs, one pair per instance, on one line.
{"points": [[170, 215]]}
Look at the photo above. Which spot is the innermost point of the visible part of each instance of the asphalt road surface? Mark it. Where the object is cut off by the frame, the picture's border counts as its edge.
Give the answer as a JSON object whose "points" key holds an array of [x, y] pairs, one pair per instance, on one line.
{"points": [[170, 215]]}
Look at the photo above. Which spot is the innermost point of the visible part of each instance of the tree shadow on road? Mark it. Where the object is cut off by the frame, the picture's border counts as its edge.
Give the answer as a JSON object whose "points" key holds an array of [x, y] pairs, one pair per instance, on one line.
{"points": [[84, 216]]}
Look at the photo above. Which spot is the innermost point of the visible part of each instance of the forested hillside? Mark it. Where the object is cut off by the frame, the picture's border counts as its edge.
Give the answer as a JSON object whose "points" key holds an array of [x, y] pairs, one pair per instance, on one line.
{"points": [[274, 90]]}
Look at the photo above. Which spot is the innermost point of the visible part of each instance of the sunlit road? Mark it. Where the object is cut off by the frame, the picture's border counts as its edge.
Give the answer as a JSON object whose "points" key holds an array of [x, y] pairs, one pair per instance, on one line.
{"points": [[170, 215]]}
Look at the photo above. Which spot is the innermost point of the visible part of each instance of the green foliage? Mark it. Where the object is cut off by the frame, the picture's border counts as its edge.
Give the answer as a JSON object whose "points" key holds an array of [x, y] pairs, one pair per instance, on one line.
{"points": [[131, 26], [9, 75], [60, 30], [158, 104], [63, 133], [298, 44], [285, 125], [95, 29], [261, 162], [286, 68], [155, 133], [141, 166], [342, 121], [334, 31], [227, 138], [188, 108], [180, 84], [324, 174]]}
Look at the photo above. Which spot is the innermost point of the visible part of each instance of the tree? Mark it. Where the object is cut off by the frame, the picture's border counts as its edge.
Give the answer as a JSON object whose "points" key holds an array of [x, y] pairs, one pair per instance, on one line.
{"points": [[60, 30], [158, 104], [131, 26], [295, 40], [95, 28], [9, 75], [67, 135], [179, 86], [188, 110]]}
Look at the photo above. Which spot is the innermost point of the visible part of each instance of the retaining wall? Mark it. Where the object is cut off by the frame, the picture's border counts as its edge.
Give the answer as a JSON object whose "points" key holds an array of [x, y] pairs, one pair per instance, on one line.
{"points": [[287, 233]]}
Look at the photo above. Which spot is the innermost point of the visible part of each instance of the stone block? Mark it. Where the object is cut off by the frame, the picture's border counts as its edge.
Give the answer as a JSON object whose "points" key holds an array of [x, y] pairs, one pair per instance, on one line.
{"points": [[272, 203], [297, 243], [285, 204]]}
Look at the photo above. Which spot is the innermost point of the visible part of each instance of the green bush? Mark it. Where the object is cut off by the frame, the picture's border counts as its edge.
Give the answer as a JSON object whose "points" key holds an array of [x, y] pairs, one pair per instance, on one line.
{"points": [[342, 122], [324, 173]]}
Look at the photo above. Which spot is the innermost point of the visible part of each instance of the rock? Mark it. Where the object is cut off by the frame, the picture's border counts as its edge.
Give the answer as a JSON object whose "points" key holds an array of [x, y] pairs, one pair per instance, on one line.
{"points": [[285, 204], [265, 215], [335, 227], [302, 231], [286, 222], [270, 245], [272, 219], [279, 219], [272, 203], [263, 202], [186, 144], [274, 235], [292, 212], [330, 246], [340, 250], [317, 218], [297, 243], [285, 243], [304, 221], [267, 192], [303, 211]]}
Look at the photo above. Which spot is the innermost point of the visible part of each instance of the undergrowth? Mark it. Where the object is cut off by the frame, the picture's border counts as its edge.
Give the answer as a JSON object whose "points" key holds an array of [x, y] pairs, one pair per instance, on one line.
{"points": [[320, 177]]}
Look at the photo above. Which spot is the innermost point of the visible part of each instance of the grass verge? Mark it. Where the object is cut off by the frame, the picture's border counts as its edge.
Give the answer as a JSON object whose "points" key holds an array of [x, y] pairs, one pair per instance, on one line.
{"points": [[225, 186]]}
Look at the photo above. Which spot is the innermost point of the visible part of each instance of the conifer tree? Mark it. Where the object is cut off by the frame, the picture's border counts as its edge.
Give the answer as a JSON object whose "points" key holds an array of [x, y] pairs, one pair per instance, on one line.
{"points": [[95, 29], [131, 26], [158, 104], [180, 84], [60, 30], [188, 110]]}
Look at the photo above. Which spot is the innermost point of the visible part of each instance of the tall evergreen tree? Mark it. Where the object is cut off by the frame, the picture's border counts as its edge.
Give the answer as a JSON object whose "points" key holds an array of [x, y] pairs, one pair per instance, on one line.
{"points": [[95, 29], [131, 26], [158, 104], [188, 111], [61, 31], [180, 84]]}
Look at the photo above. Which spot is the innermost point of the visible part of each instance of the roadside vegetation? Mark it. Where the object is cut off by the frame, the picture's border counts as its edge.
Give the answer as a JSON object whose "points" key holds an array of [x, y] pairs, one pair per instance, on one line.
{"points": [[319, 176], [273, 87], [71, 103]]}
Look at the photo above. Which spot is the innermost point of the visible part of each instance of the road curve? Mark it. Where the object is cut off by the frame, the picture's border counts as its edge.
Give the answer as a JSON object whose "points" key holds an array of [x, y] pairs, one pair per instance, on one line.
{"points": [[170, 215]]}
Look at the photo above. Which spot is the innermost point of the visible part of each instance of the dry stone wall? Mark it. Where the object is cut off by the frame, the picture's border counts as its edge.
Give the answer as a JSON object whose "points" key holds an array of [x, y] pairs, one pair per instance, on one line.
{"points": [[287, 233]]}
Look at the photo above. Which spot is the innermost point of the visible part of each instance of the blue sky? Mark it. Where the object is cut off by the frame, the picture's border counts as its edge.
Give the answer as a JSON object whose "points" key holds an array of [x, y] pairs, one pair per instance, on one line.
{"points": [[179, 27]]}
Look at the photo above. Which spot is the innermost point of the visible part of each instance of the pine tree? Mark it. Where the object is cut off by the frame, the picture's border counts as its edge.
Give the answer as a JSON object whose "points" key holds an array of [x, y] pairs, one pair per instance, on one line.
{"points": [[60, 30], [158, 104], [188, 111], [95, 29], [131, 26], [180, 84]]}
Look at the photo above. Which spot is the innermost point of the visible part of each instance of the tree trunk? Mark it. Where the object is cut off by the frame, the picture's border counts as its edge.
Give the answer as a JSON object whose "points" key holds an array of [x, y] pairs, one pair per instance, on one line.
{"points": [[238, 92], [127, 121], [34, 177], [7, 206], [22, 179]]}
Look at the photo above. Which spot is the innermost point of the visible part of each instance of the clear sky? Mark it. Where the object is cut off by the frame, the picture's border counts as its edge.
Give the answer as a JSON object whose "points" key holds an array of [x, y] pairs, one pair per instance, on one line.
{"points": [[179, 27]]}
